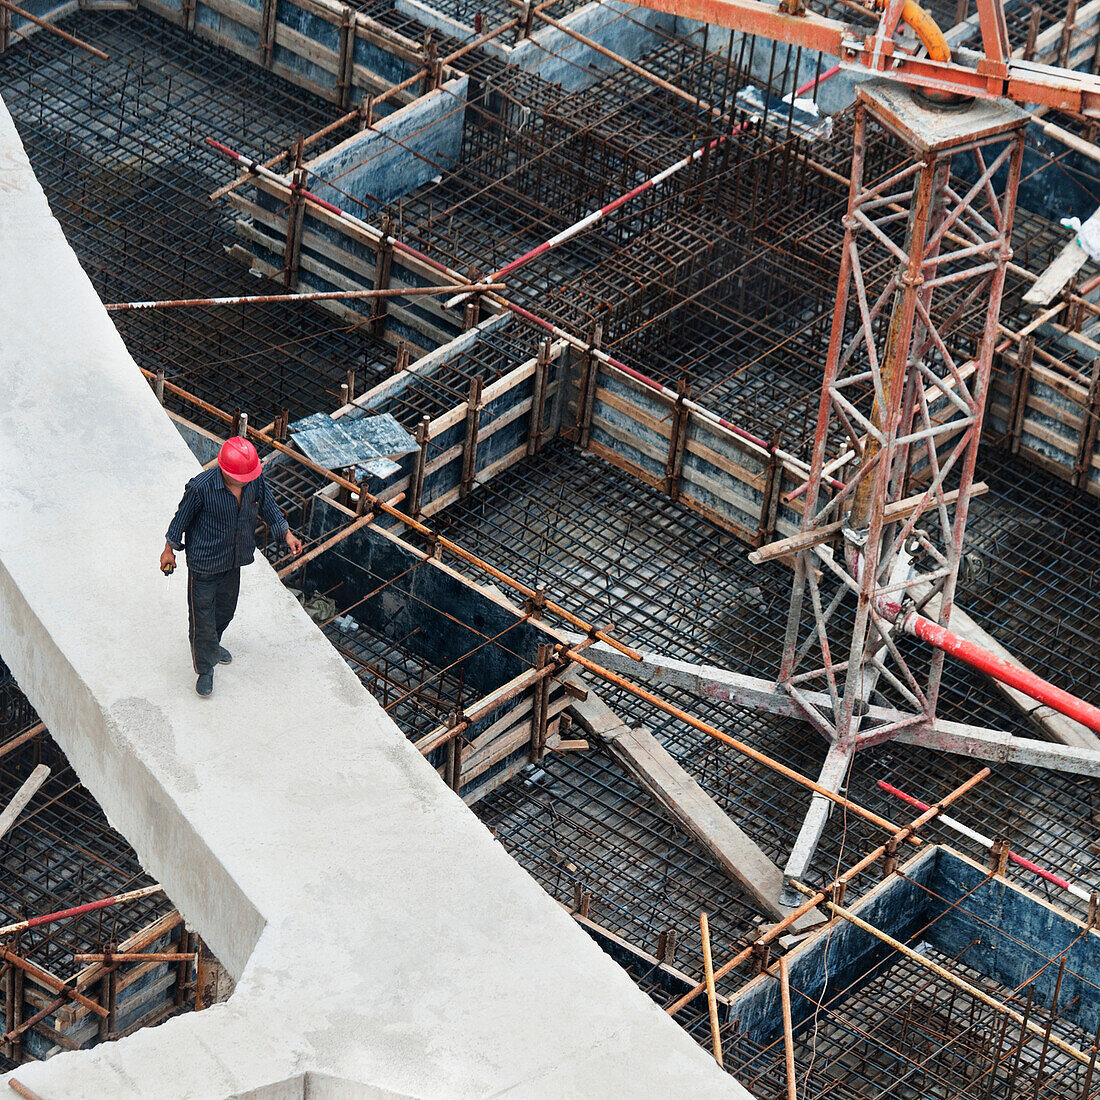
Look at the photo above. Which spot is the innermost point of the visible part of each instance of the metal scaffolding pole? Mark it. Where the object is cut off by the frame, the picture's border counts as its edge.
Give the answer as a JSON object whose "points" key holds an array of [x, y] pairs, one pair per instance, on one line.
{"points": [[901, 394]]}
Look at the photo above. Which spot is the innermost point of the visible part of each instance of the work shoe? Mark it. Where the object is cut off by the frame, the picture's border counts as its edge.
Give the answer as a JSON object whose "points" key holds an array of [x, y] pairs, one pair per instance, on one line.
{"points": [[224, 656], [205, 684]]}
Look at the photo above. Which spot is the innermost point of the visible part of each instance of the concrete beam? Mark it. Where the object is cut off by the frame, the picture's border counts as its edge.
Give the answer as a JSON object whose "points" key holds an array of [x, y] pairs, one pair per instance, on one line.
{"points": [[756, 693], [287, 816]]}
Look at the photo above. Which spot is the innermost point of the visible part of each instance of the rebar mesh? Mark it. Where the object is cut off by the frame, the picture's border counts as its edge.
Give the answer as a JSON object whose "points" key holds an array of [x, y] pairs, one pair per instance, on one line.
{"points": [[119, 148], [61, 852]]}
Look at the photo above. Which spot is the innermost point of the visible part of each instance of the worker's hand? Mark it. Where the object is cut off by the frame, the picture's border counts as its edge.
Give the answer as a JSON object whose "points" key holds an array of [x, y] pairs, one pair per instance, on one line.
{"points": [[167, 560], [294, 544]]}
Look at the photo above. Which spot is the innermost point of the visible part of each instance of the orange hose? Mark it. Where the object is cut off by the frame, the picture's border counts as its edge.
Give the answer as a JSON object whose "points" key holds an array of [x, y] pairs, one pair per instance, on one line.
{"points": [[927, 30]]}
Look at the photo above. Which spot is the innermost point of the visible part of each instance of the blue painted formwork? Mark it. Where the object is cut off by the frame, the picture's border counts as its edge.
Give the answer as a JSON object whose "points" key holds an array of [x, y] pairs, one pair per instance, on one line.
{"points": [[267, 242], [235, 25], [945, 903]]}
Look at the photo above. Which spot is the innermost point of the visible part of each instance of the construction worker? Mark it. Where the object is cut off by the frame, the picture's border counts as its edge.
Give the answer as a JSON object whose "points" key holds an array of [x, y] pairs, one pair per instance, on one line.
{"points": [[216, 520]]}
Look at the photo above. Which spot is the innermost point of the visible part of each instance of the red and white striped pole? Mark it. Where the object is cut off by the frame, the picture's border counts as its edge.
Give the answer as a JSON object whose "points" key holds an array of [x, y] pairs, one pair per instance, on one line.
{"points": [[987, 842], [590, 220]]}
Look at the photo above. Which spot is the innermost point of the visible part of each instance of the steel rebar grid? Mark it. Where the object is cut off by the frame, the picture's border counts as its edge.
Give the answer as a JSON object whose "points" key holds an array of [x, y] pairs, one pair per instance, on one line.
{"points": [[675, 586], [899, 1032], [61, 852], [115, 147]]}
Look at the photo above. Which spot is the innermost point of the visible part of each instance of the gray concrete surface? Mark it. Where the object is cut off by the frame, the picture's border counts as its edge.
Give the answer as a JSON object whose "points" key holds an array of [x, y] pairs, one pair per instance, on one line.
{"points": [[399, 153], [623, 28], [385, 944]]}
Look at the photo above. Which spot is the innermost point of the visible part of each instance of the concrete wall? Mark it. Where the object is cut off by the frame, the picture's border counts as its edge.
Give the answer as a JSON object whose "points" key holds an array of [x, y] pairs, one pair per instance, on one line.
{"points": [[429, 16], [624, 29], [306, 45], [396, 156], [418, 597], [382, 939], [1009, 935], [839, 960], [203, 445]]}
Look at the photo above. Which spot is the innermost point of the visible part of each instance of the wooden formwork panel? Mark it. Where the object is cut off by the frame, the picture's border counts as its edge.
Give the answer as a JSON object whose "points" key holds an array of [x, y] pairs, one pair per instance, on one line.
{"points": [[324, 47], [1048, 419], [647, 432]]}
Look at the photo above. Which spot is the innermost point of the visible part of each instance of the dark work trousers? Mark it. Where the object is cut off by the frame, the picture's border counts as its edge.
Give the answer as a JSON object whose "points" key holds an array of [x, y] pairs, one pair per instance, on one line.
{"points": [[211, 601]]}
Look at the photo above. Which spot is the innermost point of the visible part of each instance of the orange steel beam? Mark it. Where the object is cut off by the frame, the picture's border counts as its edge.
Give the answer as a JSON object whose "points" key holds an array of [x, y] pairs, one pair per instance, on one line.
{"points": [[989, 77]]}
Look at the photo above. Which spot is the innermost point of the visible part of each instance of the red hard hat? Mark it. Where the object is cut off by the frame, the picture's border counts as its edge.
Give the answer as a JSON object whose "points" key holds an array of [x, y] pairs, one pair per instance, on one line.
{"points": [[239, 460]]}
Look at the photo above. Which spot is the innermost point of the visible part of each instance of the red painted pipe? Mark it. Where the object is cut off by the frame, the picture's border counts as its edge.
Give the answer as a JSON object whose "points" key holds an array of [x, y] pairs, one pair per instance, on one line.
{"points": [[1012, 675]]}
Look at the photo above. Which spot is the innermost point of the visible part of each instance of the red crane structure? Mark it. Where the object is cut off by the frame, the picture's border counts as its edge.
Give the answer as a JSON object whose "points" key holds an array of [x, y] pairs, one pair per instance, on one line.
{"points": [[881, 529]]}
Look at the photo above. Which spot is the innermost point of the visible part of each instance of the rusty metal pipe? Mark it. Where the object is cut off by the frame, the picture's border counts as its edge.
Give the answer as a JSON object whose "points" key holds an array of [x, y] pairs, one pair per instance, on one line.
{"points": [[311, 296]]}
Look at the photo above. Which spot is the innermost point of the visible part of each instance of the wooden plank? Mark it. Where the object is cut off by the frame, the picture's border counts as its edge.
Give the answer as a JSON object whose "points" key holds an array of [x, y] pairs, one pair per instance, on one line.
{"points": [[368, 236], [724, 492], [241, 14], [508, 381], [480, 744], [1053, 280], [713, 458], [306, 48], [1057, 413], [366, 30], [446, 457], [482, 477], [1086, 442], [1038, 430], [726, 523], [481, 790], [338, 308], [26, 792], [509, 416], [661, 427], [1037, 458], [690, 806], [898, 510], [315, 243], [435, 336], [711, 683], [625, 379], [622, 463], [516, 738], [1069, 388], [623, 436]]}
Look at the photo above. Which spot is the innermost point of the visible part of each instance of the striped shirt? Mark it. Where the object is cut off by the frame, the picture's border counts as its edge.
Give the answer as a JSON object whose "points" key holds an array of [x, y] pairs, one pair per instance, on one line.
{"points": [[219, 533]]}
